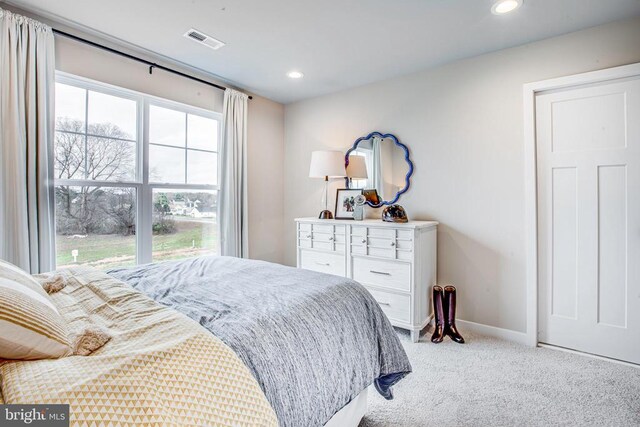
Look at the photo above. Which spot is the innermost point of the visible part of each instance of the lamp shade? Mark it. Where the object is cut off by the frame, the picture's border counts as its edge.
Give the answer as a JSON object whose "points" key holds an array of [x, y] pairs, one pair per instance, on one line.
{"points": [[357, 168], [327, 164]]}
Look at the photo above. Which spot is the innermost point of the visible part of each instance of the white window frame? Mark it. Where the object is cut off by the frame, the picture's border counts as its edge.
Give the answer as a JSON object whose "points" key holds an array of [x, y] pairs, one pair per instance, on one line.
{"points": [[144, 188]]}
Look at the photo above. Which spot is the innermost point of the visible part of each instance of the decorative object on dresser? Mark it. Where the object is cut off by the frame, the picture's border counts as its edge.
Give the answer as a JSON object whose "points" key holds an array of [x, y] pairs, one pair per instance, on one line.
{"points": [[346, 202], [394, 213], [372, 196], [326, 164], [358, 210], [395, 262], [444, 310]]}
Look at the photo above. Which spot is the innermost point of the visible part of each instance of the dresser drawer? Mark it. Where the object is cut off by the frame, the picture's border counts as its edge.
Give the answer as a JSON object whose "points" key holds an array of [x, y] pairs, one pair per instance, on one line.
{"points": [[323, 262], [358, 231], [395, 306], [304, 235], [303, 226], [405, 234], [323, 237], [304, 243], [359, 249], [322, 228], [359, 239], [384, 233], [390, 274], [384, 245], [381, 242], [404, 244], [381, 252]]}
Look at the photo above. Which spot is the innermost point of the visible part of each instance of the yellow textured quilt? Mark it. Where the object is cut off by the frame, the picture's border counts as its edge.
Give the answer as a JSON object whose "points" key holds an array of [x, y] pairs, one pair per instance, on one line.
{"points": [[159, 368]]}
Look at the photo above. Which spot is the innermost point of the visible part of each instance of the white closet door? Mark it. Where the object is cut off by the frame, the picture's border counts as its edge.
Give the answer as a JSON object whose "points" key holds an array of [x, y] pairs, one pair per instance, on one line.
{"points": [[588, 154]]}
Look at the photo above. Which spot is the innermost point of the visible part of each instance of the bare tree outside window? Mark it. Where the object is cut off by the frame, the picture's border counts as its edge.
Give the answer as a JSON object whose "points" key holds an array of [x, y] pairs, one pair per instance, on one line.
{"points": [[84, 210]]}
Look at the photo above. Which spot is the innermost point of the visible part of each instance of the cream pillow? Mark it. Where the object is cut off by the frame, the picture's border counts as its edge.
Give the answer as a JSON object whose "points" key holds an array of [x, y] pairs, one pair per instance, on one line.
{"points": [[30, 325]]}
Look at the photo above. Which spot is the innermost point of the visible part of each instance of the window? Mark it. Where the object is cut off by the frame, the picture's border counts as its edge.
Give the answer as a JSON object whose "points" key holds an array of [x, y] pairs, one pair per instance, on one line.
{"points": [[135, 176], [180, 147]]}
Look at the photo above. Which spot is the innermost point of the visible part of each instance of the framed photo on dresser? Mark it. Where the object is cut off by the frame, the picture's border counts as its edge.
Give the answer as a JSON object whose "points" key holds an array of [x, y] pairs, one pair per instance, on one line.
{"points": [[346, 202]]}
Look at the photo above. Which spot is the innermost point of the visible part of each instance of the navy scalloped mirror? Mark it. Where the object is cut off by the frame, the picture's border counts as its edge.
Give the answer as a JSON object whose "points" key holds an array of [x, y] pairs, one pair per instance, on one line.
{"points": [[380, 162]]}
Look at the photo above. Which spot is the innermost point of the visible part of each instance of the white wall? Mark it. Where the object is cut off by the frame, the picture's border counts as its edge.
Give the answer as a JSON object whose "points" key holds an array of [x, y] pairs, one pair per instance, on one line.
{"points": [[265, 125], [464, 125], [83, 60]]}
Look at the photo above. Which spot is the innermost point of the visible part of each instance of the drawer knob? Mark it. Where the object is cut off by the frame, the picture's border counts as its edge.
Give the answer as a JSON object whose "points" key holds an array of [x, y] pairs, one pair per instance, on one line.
{"points": [[331, 238], [308, 236], [323, 263], [364, 240], [384, 273], [393, 243]]}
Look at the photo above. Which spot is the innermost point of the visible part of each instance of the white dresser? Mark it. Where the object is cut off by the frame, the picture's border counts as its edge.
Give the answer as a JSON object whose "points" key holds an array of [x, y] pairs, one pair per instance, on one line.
{"points": [[395, 262]]}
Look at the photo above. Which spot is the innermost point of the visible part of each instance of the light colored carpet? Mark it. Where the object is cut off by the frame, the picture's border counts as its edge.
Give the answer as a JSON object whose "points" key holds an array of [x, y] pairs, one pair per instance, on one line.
{"points": [[490, 382]]}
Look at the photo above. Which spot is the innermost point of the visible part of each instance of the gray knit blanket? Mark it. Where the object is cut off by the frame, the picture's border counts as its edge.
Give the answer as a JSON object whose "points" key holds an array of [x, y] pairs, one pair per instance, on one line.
{"points": [[313, 341]]}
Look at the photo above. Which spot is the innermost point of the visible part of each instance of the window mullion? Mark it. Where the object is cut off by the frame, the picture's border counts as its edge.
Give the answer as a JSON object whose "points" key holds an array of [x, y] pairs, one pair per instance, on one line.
{"points": [[94, 183], [145, 234], [186, 141], [86, 132]]}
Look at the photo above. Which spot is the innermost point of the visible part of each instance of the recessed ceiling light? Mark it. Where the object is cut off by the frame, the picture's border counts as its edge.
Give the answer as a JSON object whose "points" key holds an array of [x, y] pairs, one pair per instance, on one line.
{"points": [[501, 7], [295, 75]]}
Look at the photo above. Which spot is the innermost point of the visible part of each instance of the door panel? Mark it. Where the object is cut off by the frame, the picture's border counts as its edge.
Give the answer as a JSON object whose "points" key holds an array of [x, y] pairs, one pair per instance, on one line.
{"points": [[602, 122], [564, 247], [588, 161], [612, 235]]}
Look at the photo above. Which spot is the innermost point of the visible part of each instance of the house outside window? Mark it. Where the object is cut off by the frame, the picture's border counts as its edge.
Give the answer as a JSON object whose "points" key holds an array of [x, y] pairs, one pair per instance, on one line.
{"points": [[136, 176]]}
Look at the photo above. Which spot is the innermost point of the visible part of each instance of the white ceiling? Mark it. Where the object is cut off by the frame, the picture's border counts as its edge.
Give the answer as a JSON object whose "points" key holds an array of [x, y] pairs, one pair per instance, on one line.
{"points": [[336, 43]]}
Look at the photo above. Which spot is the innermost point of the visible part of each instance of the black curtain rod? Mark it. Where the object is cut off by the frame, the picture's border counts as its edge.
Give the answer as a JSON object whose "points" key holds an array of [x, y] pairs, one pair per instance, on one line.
{"points": [[151, 65]]}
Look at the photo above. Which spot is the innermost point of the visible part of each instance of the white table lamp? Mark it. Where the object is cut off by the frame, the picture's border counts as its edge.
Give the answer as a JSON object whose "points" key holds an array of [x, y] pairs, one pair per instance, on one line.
{"points": [[326, 164]]}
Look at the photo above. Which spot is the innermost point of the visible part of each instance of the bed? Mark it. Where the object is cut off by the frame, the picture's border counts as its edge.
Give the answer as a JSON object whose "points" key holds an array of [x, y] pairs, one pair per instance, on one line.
{"points": [[215, 341], [313, 341], [159, 368]]}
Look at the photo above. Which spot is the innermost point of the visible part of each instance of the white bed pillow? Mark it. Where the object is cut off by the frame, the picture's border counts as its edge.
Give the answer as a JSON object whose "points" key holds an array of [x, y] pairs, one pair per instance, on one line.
{"points": [[30, 325]]}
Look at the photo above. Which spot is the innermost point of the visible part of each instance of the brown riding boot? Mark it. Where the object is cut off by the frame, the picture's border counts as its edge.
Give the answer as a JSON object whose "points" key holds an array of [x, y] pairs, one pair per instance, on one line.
{"points": [[438, 313], [450, 313]]}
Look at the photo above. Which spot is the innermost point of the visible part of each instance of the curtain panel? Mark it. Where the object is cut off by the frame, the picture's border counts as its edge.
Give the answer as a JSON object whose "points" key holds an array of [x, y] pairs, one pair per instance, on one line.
{"points": [[27, 84], [232, 197], [377, 175]]}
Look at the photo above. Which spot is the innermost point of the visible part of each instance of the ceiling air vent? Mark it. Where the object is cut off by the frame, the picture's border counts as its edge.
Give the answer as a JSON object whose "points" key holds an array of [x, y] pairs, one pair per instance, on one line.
{"points": [[204, 39]]}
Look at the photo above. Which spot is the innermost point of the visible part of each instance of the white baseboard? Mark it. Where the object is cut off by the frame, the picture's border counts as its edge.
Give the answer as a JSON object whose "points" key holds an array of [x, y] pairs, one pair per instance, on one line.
{"points": [[492, 331], [506, 334], [593, 356]]}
